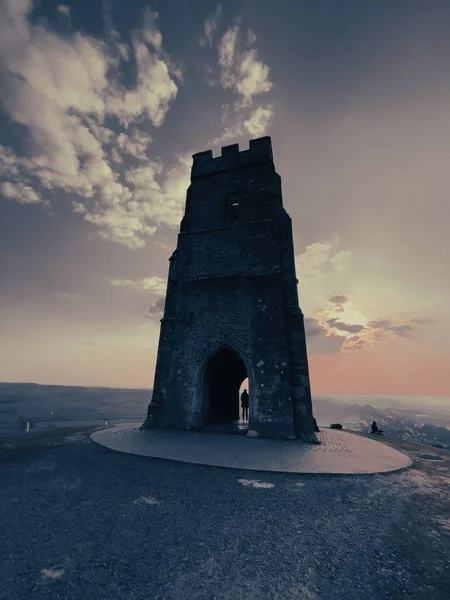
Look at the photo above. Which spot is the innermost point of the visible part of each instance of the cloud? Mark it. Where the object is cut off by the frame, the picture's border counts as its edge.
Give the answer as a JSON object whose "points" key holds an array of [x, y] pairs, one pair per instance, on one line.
{"points": [[422, 321], [67, 296], [251, 38], [375, 332], [259, 121], [154, 91], [359, 335], [122, 282], [341, 316], [257, 124], [20, 192], [227, 53], [242, 70], [340, 259], [164, 246], [354, 343], [155, 309], [119, 224], [319, 340], [339, 299], [243, 73], [347, 327], [228, 134], [134, 144], [156, 285], [85, 129], [165, 186], [402, 329], [253, 76], [383, 324], [319, 257], [150, 32], [63, 90], [338, 302], [63, 9], [313, 258], [210, 27], [312, 328], [10, 163]]}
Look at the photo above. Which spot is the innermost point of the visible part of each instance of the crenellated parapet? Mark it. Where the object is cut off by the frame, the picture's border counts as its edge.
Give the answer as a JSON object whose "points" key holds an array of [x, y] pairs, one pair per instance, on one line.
{"points": [[259, 151]]}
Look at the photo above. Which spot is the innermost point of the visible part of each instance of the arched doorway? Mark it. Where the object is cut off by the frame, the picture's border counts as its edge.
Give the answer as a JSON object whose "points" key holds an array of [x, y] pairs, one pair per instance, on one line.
{"points": [[223, 375]]}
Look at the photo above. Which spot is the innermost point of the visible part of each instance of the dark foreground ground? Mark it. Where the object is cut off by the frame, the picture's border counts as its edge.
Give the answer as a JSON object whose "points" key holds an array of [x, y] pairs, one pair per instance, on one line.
{"points": [[80, 521]]}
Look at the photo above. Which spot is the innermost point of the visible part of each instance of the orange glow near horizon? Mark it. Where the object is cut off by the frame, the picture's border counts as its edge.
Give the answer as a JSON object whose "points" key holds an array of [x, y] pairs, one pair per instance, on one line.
{"points": [[362, 373]]}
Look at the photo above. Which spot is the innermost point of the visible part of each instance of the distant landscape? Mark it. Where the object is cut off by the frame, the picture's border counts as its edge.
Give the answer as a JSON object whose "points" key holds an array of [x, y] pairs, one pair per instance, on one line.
{"points": [[46, 406], [30, 406]]}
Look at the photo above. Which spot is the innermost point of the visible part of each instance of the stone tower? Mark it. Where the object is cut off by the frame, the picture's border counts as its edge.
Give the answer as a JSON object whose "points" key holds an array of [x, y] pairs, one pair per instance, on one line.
{"points": [[231, 307]]}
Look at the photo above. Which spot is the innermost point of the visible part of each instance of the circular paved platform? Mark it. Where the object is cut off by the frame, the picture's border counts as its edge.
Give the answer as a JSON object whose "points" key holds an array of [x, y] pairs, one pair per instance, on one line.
{"points": [[340, 452]]}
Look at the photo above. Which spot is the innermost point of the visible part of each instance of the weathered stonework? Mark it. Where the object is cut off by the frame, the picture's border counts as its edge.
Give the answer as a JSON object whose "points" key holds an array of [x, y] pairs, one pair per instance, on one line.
{"points": [[231, 306]]}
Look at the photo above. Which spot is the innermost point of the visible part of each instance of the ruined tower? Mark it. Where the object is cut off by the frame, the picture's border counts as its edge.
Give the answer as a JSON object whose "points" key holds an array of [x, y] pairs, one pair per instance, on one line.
{"points": [[231, 307]]}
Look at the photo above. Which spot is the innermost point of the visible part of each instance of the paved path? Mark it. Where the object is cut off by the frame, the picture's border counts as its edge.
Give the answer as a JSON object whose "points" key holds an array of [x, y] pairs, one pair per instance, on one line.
{"points": [[340, 452]]}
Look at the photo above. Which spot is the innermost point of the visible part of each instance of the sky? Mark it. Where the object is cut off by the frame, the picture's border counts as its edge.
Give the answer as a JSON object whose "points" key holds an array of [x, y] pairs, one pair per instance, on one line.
{"points": [[102, 105]]}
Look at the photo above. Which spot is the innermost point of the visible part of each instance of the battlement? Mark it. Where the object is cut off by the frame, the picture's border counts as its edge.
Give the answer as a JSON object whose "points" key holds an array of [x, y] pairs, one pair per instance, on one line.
{"points": [[259, 151]]}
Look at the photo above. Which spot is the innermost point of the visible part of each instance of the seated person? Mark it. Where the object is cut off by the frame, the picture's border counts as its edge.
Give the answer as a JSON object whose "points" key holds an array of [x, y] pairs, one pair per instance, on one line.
{"points": [[374, 429]]}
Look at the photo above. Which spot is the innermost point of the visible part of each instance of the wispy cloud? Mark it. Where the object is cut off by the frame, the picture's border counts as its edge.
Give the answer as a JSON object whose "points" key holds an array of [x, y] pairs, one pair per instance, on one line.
{"points": [[321, 341], [22, 193], [159, 191], [242, 72], [63, 9], [403, 329], [134, 144], [157, 285], [242, 69], [347, 327], [155, 310], [260, 120], [67, 296], [210, 27], [382, 324]]}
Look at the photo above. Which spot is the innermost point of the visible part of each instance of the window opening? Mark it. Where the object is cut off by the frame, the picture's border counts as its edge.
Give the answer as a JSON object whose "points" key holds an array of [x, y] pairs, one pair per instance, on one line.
{"points": [[230, 208], [234, 210]]}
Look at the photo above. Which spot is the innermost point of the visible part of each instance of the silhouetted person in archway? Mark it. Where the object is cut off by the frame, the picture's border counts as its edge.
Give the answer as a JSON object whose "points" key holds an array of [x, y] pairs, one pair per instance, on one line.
{"points": [[244, 404], [374, 429]]}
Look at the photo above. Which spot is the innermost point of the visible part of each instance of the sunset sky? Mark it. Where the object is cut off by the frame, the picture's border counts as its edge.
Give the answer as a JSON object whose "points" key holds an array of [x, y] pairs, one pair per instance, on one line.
{"points": [[102, 105]]}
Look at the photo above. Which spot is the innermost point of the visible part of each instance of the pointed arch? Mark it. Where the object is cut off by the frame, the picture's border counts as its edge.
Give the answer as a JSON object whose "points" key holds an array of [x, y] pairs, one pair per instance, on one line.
{"points": [[230, 346], [220, 378]]}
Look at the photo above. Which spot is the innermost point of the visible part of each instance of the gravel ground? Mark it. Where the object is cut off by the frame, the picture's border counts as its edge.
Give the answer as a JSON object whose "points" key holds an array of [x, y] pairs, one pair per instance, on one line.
{"points": [[80, 521]]}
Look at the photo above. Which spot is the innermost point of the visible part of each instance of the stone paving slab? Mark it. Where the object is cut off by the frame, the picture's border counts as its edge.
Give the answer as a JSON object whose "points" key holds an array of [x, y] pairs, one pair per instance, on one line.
{"points": [[340, 452]]}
